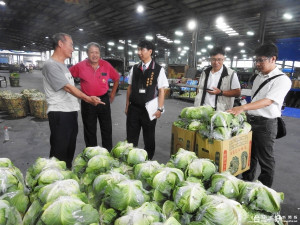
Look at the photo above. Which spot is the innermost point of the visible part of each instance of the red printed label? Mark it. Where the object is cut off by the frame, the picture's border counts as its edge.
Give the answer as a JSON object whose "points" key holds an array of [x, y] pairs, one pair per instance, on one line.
{"points": [[224, 160]]}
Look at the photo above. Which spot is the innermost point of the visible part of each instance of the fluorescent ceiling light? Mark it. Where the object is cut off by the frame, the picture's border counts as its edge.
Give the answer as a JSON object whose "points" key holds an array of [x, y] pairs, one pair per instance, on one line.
{"points": [[120, 47], [149, 37], [192, 24], [235, 57], [233, 34], [241, 44], [179, 33], [243, 51], [179, 57], [129, 41], [287, 16], [178, 49], [111, 43], [210, 46], [80, 29], [2, 3], [203, 50], [140, 9], [134, 46], [47, 37], [186, 48], [207, 38], [76, 48], [129, 53], [227, 49], [85, 46], [135, 51], [109, 49], [250, 33], [198, 53]]}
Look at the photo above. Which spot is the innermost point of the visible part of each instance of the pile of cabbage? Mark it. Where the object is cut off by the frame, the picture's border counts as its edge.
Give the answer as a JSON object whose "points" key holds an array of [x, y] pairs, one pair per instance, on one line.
{"points": [[213, 124], [123, 187]]}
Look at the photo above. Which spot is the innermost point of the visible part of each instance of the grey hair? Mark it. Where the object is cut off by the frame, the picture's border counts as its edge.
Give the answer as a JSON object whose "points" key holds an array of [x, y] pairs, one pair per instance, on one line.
{"points": [[89, 45], [59, 37]]}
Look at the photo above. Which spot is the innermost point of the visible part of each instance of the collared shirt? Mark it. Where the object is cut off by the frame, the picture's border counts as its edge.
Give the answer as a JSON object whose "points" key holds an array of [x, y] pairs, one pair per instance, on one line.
{"points": [[162, 81], [275, 90], [213, 80], [94, 82]]}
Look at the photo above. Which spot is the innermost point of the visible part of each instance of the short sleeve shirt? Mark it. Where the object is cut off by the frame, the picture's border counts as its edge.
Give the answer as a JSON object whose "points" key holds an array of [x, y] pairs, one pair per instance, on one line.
{"points": [[56, 76], [275, 90], [94, 82], [162, 81], [213, 80]]}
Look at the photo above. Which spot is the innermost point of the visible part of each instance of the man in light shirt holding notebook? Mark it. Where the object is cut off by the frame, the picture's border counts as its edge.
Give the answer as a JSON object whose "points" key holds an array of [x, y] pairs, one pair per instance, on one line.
{"points": [[147, 81]]}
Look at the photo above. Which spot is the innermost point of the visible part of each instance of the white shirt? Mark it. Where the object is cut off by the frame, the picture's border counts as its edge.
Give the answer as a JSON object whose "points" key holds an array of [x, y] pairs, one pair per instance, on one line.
{"points": [[275, 90], [162, 81], [213, 80]]}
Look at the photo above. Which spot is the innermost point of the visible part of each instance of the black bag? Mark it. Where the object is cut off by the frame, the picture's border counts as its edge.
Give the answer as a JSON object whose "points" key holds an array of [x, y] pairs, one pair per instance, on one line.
{"points": [[281, 130]]}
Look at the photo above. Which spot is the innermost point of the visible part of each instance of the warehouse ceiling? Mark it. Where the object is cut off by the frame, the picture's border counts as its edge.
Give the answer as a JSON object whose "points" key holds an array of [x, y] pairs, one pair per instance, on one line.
{"points": [[26, 24]]}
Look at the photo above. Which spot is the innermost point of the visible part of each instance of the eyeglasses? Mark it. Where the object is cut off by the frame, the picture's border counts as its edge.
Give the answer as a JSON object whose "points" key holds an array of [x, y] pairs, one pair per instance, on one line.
{"points": [[216, 60], [260, 60]]}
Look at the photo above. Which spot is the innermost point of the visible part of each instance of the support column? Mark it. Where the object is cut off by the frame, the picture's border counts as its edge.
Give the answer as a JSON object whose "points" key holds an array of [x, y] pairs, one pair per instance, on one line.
{"points": [[262, 26], [192, 56]]}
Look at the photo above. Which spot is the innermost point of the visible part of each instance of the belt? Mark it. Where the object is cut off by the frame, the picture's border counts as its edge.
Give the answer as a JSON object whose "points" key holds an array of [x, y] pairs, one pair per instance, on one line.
{"points": [[252, 118]]}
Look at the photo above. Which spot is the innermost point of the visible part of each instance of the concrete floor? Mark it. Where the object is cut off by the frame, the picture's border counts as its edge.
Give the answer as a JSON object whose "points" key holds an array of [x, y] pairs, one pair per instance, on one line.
{"points": [[29, 139]]}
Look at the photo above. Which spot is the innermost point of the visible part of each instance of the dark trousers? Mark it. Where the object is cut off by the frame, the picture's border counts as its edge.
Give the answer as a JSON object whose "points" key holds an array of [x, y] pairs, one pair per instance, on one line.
{"points": [[263, 137], [64, 130], [137, 118], [90, 114]]}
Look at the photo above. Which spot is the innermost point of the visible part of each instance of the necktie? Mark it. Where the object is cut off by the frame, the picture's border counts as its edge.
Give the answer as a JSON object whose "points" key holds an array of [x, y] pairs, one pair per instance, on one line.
{"points": [[144, 68]]}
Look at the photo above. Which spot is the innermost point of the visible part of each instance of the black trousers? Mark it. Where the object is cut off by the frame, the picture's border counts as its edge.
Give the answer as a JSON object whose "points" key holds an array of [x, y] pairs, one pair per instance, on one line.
{"points": [[263, 138], [90, 114], [64, 130], [137, 118]]}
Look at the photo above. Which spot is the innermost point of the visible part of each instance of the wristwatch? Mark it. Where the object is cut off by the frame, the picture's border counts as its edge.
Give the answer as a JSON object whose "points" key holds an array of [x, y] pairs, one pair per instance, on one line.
{"points": [[221, 93], [161, 109]]}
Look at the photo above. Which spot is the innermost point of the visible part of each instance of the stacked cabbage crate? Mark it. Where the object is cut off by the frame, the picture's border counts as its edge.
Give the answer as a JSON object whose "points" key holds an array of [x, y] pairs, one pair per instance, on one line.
{"points": [[123, 187]]}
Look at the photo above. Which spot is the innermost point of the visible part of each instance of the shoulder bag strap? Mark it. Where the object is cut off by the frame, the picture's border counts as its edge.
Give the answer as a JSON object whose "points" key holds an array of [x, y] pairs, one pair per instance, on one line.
{"points": [[264, 83]]}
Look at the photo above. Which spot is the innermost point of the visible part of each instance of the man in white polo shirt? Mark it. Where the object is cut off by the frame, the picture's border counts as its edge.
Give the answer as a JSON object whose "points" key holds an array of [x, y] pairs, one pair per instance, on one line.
{"points": [[263, 111]]}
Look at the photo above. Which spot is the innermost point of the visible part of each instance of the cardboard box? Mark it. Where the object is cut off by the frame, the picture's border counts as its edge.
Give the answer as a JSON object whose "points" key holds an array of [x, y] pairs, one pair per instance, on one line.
{"points": [[182, 138], [222, 153]]}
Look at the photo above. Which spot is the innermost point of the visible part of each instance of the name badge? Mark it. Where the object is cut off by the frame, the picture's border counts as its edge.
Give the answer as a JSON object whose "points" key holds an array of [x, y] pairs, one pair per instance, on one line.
{"points": [[104, 74], [142, 91]]}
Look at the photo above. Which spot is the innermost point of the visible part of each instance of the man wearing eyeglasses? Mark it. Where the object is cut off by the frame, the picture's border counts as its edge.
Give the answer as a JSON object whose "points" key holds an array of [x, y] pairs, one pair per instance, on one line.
{"points": [[263, 111], [218, 85]]}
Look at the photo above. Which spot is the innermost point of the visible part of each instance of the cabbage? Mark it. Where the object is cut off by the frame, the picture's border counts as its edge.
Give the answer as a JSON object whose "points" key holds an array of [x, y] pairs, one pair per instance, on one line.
{"points": [[225, 184], [147, 214], [9, 215], [144, 171], [219, 210], [260, 218], [50, 193], [181, 123], [246, 128], [80, 162], [182, 158], [188, 196], [201, 168], [39, 165], [5, 162], [107, 215], [221, 133], [126, 193], [221, 119], [202, 113], [259, 197], [194, 125], [124, 169], [136, 156], [121, 150], [68, 210], [170, 209], [164, 181]]}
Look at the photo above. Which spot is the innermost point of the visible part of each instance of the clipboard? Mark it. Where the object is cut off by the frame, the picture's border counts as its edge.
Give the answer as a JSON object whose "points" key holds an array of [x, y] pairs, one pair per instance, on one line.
{"points": [[151, 107]]}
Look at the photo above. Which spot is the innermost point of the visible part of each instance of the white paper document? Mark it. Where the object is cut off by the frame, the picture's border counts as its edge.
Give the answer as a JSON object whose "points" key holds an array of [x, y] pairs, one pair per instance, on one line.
{"points": [[151, 107]]}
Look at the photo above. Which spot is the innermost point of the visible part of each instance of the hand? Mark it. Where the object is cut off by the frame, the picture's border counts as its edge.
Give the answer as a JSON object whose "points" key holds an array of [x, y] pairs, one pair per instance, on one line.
{"points": [[94, 100], [157, 114], [236, 110], [215, 91], [126, 110]]}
